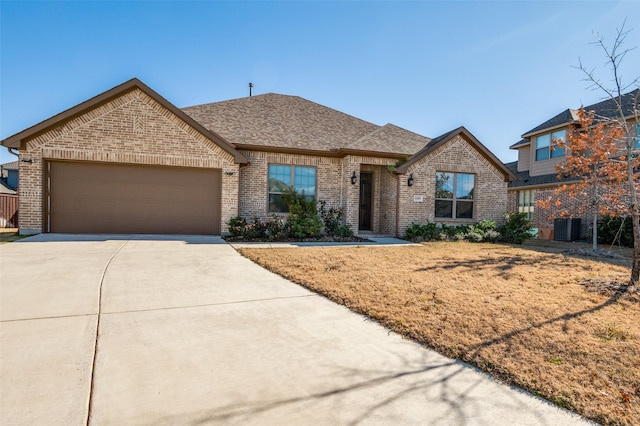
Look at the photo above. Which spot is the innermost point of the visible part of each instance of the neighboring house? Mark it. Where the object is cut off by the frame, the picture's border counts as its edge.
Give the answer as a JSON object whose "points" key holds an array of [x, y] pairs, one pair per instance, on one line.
{"points": [[129, 161], [537, 160], [8, 195], [9, 175]]}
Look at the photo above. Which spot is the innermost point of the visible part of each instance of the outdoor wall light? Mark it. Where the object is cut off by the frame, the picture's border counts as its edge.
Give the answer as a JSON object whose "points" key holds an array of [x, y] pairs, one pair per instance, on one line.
{"points": [[354, 178], [410, 180]]}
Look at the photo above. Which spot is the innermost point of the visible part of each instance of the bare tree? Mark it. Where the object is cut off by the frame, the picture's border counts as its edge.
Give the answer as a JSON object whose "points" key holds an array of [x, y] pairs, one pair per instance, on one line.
{"points": [[625, 118]]}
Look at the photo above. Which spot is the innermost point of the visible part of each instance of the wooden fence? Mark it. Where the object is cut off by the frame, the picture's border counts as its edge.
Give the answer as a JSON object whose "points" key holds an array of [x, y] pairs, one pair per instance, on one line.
{"points": [[8, 211]]}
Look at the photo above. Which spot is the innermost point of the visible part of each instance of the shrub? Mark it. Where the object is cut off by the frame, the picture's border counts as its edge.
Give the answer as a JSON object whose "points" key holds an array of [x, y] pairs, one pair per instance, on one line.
{"points": [[474, 237], [615, 229], [275, 229], [333, 221], [417, 232], [485, 230], [236, 226], [491, 235], [254, 229], [303, 220], [344, 231], [516, 228]]}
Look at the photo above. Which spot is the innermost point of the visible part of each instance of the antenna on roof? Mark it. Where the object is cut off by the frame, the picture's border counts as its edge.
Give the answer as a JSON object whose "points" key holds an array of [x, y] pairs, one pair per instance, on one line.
{"points": [[250, 88]]}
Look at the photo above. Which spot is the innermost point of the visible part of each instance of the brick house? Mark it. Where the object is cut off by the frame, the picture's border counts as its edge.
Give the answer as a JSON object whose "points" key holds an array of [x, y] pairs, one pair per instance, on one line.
{"points": [[129, 161], [537, 161]]}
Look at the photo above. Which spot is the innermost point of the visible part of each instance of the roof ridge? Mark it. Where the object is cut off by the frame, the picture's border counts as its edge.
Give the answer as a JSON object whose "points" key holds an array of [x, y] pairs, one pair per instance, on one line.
{"points": [[604, 101], [239, 99]]}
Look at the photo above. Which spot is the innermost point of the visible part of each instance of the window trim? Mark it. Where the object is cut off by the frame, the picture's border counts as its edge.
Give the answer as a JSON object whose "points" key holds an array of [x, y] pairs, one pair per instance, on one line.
{"points": [[551, 149], [454, 199], [292, 179]]}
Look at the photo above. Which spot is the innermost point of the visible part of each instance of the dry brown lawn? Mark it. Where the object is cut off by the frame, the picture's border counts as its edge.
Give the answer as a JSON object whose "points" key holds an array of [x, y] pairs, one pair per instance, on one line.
{"points": [[539, 320]]}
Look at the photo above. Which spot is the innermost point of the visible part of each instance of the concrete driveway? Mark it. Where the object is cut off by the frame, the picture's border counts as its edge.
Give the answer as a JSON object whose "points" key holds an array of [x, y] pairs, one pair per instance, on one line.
{"points": [[190, 332]]}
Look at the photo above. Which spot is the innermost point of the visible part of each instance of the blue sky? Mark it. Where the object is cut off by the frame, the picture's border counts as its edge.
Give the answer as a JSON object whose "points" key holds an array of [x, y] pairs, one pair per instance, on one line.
{"points": [[498, 68]]}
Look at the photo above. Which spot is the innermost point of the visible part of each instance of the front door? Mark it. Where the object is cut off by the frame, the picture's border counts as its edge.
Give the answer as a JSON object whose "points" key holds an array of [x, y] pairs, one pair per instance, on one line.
{"points": [[366, 189]]}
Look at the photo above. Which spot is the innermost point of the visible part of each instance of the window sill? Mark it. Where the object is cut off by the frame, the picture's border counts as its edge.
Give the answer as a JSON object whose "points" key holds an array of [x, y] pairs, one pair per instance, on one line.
{"points": [[452, 220]]}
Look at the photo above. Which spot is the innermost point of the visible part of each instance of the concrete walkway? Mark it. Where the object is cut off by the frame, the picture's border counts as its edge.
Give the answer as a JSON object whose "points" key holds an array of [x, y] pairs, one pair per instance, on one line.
{"points": [[152, 330], [377, 241]]}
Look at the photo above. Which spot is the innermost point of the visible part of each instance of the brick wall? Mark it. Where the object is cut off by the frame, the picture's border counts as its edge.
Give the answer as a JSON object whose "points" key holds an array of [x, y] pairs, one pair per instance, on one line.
{"points": [[253, 189], [333, 185], [384, 193], [543, 218], [456, 156], [132, 128]]}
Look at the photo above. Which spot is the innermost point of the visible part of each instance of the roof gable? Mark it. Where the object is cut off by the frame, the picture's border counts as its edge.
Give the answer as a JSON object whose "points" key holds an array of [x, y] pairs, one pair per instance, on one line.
{"points": [[18, 140], [466, 135]]}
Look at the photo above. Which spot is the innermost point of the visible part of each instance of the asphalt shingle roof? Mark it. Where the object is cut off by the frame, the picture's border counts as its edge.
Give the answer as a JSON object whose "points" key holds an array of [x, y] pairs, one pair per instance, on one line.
{"points": [[603, 109], [282, 121], [526, 180], [13, 165], [4, 189]]}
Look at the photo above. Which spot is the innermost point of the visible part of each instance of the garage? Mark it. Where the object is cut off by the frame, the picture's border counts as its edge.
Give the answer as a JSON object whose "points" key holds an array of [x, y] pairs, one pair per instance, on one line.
{"points": [[106, 198]]}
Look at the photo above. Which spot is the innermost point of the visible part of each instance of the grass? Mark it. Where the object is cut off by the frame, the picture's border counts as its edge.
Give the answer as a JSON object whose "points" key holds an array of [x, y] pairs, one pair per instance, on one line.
{"points": [[531, 318], [8, 235]]}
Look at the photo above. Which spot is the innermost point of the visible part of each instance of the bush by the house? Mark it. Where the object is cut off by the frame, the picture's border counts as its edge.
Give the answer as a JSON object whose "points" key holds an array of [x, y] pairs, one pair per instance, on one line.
{"points": [[516, 229], [333, 220], [303, 222], [237, 226], [615, 230]]}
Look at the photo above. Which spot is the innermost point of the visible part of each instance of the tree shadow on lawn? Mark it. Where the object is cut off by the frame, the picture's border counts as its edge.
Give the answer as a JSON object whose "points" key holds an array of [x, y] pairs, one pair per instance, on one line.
{"points": [[611, 255], [503, 264]]}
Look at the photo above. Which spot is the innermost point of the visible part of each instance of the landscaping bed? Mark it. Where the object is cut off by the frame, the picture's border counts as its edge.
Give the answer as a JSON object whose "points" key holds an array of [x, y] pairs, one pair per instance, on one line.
{"points": [[561, 326]]}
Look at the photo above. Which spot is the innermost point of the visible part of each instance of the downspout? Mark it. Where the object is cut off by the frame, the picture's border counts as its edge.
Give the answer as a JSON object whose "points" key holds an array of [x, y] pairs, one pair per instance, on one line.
{"points": [[11, 152], [341, 182], [397, 205]]}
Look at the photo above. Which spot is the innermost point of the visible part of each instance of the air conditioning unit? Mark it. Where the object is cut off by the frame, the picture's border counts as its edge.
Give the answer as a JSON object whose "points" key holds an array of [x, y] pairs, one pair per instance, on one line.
{"points": [[566, 229]]}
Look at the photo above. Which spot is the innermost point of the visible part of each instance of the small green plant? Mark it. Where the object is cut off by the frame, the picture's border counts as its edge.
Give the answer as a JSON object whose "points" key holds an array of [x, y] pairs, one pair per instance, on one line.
{"points": [[516, 228], [611, 331]]}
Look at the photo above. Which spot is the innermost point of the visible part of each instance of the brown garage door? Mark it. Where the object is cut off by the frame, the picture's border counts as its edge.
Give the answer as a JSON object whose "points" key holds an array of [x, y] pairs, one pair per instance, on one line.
{"points": [[128, 199]]}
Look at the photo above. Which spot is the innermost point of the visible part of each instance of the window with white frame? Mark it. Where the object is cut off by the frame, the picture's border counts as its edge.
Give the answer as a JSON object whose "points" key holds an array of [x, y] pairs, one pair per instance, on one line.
{"points": [[454, 195], [283, 177], [547, 145], [527, 202]]}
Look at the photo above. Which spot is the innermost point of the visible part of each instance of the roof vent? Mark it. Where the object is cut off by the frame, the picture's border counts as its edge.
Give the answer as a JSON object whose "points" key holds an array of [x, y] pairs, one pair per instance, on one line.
{"points": [[250, 88]]}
